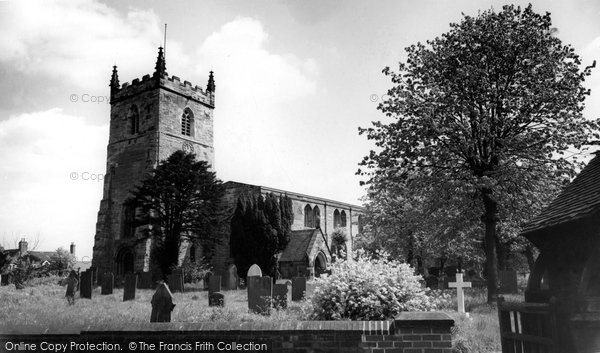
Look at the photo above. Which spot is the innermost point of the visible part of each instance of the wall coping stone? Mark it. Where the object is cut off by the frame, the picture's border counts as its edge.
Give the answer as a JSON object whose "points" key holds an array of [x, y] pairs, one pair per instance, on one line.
{"points": [[421, 318]]}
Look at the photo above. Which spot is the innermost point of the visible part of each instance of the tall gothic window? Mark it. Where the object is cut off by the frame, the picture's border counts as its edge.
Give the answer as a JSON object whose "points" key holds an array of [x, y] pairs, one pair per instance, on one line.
{"points": [[308, 216], [343, 219], [187, 122], [134, 120], [316, 217], [129, 224], [337, 221]]}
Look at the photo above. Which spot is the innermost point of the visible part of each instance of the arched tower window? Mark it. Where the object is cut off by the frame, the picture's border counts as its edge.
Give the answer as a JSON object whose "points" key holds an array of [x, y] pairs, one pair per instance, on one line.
{"points": [[308, 216], [187, 122], [129, 223], [316, 217], [337, 221], [134, 120], [343, 219]]}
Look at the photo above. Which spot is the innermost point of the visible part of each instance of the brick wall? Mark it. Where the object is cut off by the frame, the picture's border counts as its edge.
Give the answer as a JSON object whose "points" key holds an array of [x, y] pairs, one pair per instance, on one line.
{"points": [[411, 332]]}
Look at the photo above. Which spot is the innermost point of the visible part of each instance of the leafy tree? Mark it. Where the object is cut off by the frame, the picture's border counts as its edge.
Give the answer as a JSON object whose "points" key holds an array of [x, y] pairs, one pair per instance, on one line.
{"points": [[181, 202], [338, 243], [492, 106], [62, 260], [260, 229]]}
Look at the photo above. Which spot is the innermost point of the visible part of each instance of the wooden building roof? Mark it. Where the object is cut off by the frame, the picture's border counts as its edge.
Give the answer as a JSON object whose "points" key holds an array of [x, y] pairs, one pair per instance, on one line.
{"points": [[579, 200]]}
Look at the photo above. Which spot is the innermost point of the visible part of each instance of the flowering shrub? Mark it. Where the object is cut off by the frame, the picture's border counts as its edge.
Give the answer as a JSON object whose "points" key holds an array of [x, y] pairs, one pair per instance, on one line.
{"points": [[369, 289]]}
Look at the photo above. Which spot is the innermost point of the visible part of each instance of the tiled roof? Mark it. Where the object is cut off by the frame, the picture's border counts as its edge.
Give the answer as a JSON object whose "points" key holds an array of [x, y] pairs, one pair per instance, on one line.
{"points": [[578, 200], [299, 245]]}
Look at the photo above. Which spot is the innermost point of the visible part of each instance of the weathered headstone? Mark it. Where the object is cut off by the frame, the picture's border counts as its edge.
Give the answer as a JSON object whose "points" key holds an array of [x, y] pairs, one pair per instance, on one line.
{"points": [[282, 295], [94, 272], [175, 282], [85, 285], [508, 281], [298, 288], [144, 280], [230, 278], [108, 283], [214, 285], [460, 296], [216, 299], [260, 291], [254, 270], [206, 279], [130, 285], [162, 304]]}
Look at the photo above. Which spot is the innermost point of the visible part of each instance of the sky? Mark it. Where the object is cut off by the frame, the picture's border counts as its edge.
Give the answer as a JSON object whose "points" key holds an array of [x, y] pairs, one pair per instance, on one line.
{"points": [[295, 80]]}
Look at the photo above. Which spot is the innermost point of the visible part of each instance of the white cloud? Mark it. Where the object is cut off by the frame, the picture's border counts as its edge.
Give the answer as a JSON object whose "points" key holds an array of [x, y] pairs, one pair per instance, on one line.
{"points": [[39, 151], [78, 41]]}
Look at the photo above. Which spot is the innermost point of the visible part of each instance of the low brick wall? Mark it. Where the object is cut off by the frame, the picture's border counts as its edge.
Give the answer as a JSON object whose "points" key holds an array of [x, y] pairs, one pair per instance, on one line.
{"points": [[411, 332]]}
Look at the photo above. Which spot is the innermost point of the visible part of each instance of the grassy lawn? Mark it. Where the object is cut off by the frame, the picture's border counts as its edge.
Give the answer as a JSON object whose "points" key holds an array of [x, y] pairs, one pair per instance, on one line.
{"points": [[43, 306]]}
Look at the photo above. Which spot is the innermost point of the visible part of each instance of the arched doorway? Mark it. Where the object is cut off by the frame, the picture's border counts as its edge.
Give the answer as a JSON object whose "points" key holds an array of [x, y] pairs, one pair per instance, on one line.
{"points": [[320, 264], [125, 261]]}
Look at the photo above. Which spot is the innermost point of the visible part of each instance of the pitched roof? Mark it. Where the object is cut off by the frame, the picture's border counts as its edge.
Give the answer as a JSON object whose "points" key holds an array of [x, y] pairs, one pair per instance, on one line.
{"points": [[299, 246], [578, 200]]}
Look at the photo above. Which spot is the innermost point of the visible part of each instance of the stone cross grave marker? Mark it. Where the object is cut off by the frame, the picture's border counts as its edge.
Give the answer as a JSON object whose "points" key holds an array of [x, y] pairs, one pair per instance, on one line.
{"points": [[162, 304], [298, 288], [254, 270], [175, 280], [130, 285], [214, 284], [282, 294], [460, 295], [260, 291], [230, 278], [108, 283], [85, 286], [144, 280]]}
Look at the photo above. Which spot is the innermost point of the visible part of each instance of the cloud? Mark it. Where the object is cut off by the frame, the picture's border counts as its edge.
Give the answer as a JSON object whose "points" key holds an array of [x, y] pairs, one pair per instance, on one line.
{"points": [[590, 53], [78, 41], [39, 151]]}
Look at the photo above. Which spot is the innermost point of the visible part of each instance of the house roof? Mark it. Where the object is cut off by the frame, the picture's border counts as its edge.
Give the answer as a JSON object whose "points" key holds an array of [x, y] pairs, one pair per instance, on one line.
{"points": [[299, 246], [579, 200]]}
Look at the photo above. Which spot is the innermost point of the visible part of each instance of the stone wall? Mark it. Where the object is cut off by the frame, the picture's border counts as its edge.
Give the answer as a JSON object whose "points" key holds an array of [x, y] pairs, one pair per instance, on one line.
{"points": [[411, 332]]}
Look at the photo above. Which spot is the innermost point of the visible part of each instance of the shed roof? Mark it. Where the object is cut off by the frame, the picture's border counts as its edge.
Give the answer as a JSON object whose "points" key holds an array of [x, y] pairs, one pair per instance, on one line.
{"points": [[579, 200]]}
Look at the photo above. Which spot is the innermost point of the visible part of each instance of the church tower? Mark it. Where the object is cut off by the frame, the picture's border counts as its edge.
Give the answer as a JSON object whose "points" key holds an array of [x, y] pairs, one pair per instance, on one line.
{"points": [[149, 120]]}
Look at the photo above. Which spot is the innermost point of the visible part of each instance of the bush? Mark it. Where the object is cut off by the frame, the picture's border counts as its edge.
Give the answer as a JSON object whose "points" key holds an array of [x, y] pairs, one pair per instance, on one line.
{"points": [[369, 289], [194, 271]]}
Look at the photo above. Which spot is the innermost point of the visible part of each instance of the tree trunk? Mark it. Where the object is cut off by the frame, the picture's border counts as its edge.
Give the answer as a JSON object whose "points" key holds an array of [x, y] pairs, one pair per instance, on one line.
{"points": [[490, 219]]}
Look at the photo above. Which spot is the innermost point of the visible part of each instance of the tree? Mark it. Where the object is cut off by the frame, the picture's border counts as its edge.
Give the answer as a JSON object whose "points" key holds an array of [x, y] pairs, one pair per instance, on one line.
{"points": [[62, 260], [180, 202], [260, 229], [492, 106]]}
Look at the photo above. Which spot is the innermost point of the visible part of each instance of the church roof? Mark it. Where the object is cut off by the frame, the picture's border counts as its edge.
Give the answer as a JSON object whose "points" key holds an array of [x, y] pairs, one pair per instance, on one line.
{"points": [[579, 200], [300, 244]]}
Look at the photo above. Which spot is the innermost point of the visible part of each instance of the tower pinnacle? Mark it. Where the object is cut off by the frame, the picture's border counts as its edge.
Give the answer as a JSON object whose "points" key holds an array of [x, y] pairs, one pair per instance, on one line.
{"points": [[114, 80], [161, 66], [210, 87]]}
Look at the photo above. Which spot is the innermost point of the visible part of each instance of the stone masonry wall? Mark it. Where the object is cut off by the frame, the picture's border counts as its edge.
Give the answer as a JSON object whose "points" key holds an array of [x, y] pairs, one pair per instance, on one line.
{"points": [[411, 332]]}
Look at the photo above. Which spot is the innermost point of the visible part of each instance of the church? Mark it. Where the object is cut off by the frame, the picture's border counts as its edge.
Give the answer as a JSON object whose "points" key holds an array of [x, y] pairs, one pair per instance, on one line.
{"points": [[149, 120]]}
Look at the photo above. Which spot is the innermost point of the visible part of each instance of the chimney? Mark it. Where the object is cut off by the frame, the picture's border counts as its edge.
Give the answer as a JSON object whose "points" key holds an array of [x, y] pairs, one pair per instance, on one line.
{"points": [[72, 249], [23, 247]]}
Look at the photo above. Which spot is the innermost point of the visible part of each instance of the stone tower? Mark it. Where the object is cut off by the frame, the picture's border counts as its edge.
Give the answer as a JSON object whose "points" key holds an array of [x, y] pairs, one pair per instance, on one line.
{"points": [[149, 120]]}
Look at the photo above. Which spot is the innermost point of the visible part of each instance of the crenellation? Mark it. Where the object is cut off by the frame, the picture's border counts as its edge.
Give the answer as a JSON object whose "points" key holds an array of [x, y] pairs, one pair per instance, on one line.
{"points": [[187, 83]]}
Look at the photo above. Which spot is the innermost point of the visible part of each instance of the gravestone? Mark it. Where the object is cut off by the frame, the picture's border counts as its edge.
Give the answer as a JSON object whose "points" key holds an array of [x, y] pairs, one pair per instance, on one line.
{"points": [[216, 299], [298, 288], [206, 279], [508, 282], [108, 283], [460, 296], [282, 295], [85, 285], [230, 278], [94, 272], [260, 290], [175, 281], [162, 304], [214, 284], [254, 270], [144, 280], [130, 285]]}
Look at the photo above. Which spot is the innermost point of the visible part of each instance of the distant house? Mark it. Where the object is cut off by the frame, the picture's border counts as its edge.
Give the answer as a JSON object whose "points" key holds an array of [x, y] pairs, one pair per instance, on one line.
{"points": [[38, 259]]}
